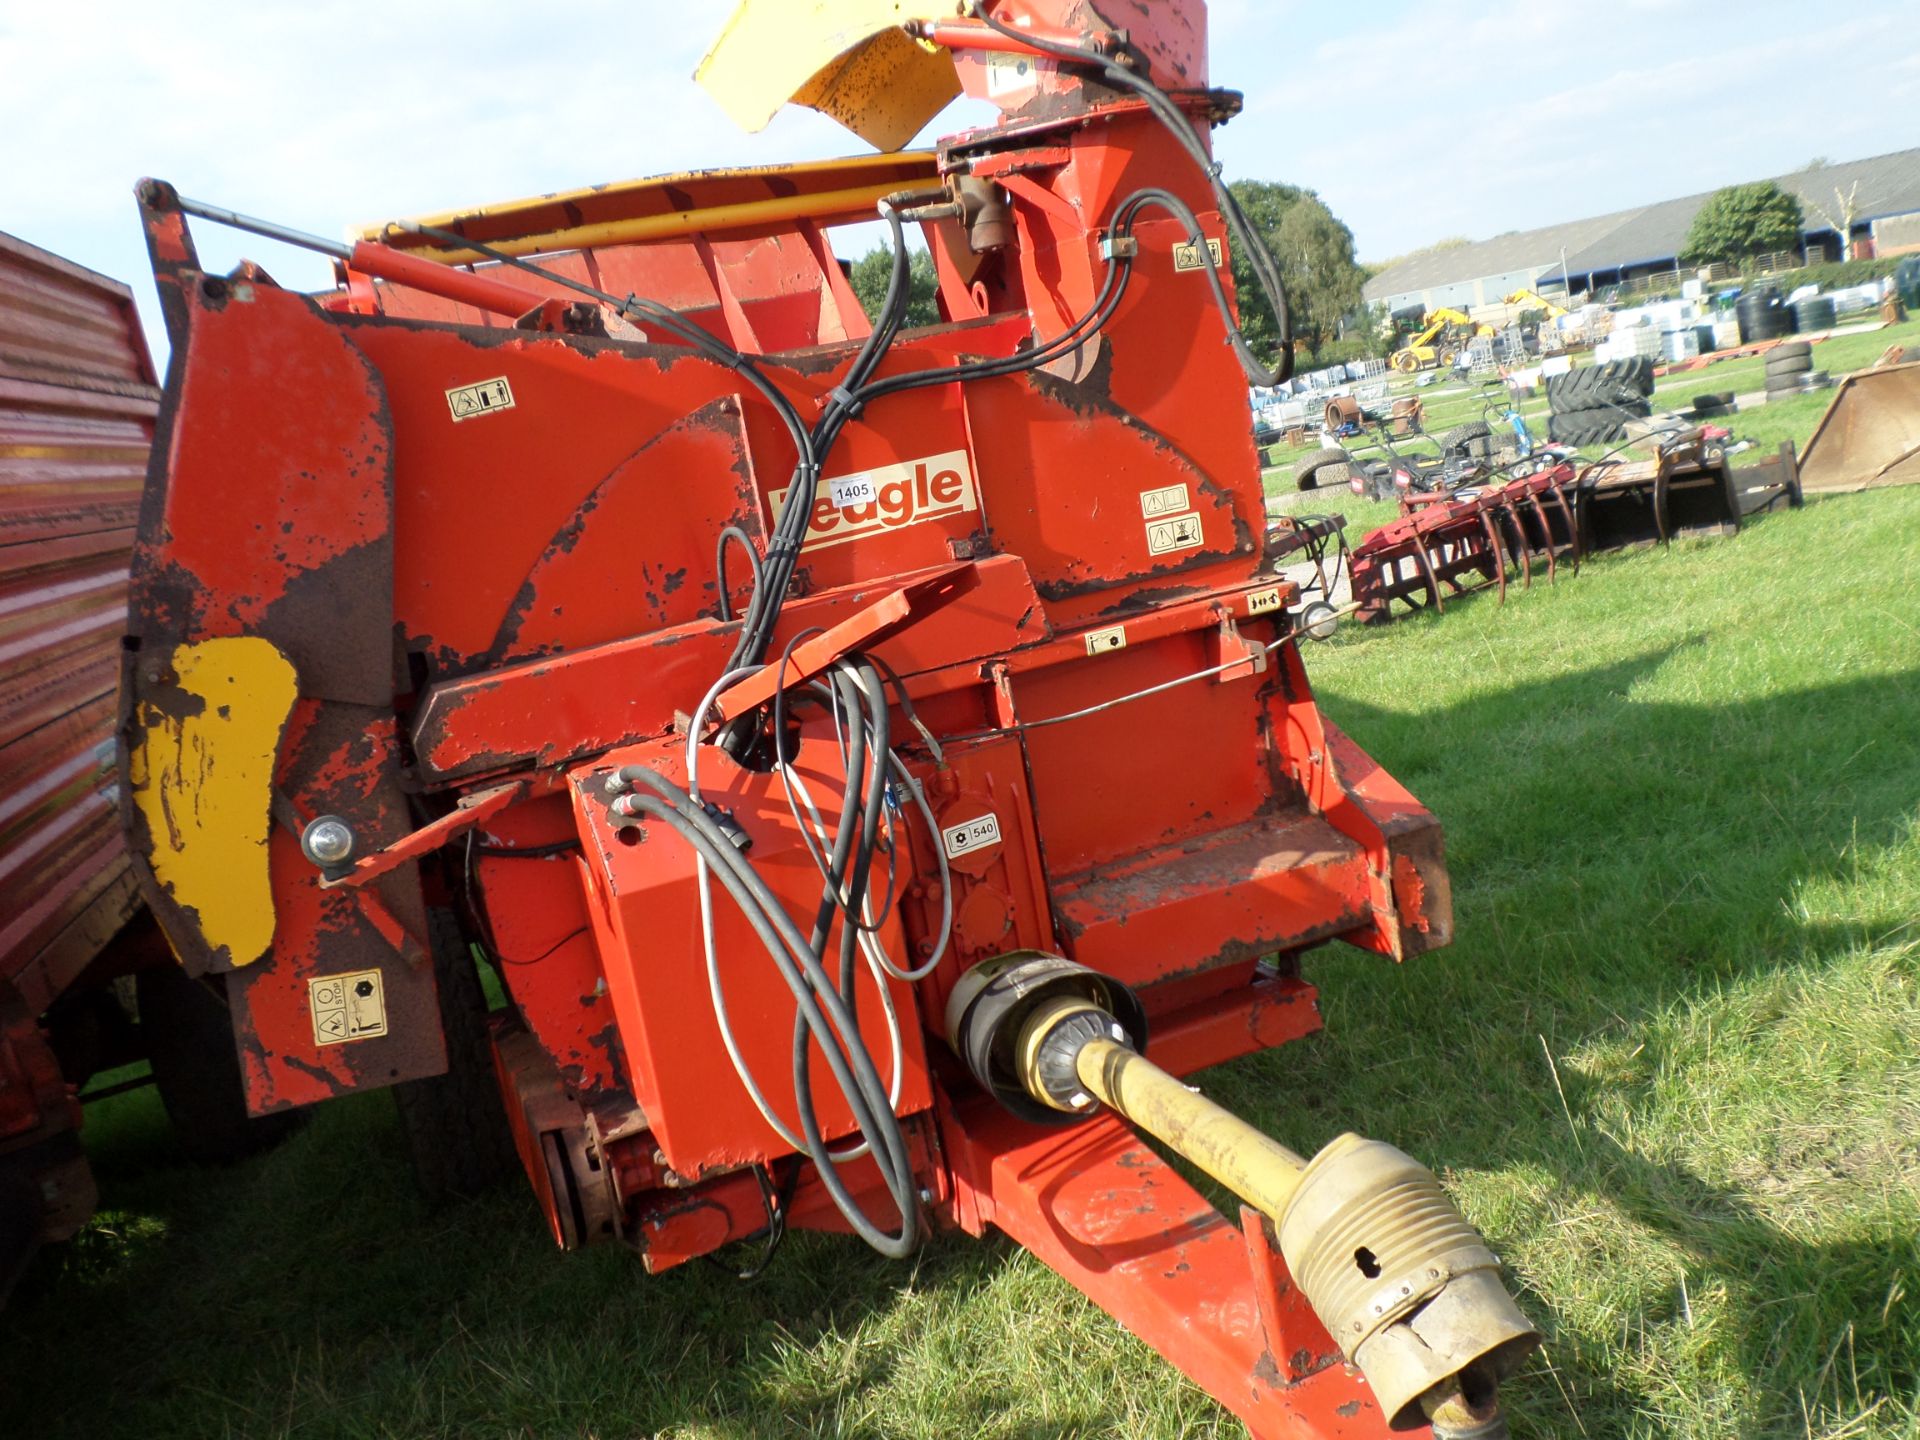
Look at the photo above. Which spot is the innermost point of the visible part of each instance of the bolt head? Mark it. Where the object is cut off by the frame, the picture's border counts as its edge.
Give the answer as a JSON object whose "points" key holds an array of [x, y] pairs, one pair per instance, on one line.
{"points": [[328, 841]]}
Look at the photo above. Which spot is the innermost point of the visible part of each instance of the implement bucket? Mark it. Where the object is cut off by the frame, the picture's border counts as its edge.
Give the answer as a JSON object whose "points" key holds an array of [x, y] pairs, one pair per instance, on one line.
{"points": [[1687, 493], [1870, 435]]}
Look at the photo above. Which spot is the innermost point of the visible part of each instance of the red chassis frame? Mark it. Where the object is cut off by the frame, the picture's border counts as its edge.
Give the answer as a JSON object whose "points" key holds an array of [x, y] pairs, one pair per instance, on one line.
{"points": [[490, 612]]}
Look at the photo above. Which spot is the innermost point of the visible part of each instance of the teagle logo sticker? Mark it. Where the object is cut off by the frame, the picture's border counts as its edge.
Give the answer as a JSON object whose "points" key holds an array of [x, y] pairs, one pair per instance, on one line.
{"points": [[890, 497]]}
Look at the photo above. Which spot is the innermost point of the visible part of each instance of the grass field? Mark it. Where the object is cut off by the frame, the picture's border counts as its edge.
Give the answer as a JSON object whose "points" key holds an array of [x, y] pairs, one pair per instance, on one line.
{"points": [[1671, 1066]]}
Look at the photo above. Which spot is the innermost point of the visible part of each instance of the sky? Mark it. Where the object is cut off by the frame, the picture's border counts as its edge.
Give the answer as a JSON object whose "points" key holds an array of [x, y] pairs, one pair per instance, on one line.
{"points": [[1413, 121]]}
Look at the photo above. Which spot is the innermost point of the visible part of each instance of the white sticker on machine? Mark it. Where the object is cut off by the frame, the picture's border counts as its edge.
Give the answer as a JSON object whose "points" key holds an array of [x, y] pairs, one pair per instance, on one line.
{"points": [[1167, 500], [1176, 532], [470, 401], [347, 1007], [1008, 74], [973, 835]]}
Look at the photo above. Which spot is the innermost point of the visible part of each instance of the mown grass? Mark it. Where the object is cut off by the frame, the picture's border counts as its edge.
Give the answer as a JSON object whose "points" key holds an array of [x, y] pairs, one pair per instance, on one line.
{"points": [[1669, 1066]]}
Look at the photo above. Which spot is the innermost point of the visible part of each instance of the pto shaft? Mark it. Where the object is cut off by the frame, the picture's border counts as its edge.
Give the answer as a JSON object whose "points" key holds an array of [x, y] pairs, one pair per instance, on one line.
{"points": [[1254, 1166], [1404, 1285]]}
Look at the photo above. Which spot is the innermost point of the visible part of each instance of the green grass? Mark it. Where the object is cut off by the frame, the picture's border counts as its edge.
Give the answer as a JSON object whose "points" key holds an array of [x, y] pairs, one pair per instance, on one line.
{"points": [[1669, 1065]]}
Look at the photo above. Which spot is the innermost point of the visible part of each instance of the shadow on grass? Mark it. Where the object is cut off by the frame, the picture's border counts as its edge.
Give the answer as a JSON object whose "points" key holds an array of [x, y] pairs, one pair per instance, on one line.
{"points": [[1611, 856], [1615, 856]]}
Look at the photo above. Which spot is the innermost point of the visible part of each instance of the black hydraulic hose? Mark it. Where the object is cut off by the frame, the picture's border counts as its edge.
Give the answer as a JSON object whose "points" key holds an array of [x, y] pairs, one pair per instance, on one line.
{"points": [[1265, 268], [745, 542]]}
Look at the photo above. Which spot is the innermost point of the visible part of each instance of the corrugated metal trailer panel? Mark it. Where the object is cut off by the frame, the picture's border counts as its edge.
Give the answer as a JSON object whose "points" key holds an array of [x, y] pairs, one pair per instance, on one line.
{"points": [[77, 406]]}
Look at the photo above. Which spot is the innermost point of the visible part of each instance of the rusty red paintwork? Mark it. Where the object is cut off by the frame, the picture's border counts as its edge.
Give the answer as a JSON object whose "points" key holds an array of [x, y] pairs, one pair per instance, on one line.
{"points": [[525, 593]]}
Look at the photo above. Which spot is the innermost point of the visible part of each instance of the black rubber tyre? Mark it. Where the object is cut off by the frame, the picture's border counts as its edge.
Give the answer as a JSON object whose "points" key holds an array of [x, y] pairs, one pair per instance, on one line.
{"points": [[1588, 427], [1785, 384], [1814, 315], [1308, 474], [186, 1027], [1707, 406], [1815, 380], [1473, 440], [454, 1125], [1788, 365], [1590, 386], [1789, 350]]}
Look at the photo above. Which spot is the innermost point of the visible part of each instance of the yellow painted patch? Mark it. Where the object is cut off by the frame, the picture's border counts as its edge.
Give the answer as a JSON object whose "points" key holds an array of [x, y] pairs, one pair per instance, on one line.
{"points": [[202, 776]]}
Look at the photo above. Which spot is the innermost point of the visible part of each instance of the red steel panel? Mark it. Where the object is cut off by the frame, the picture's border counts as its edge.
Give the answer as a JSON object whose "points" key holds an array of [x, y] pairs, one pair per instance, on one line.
{"points": [[77, 405]]}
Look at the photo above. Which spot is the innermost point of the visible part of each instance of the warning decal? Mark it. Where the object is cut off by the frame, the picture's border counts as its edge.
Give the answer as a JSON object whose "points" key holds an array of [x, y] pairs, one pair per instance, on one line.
{"points": [[468, 401], [1168, 500], [974, 835], [1263, 602], [347, 1007], [1177, 532], [1186, 256], [1099, 642]]}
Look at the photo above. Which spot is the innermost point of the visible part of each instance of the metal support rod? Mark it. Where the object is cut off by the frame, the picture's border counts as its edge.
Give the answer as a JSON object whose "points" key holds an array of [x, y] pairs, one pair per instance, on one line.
{"points": [[383, 262], [234, 220], [1256, 1167]]}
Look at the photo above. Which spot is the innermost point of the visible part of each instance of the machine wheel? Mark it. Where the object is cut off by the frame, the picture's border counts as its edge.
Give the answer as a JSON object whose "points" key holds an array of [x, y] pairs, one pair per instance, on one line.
{"points": [[188, 1033], [1472, 440], [1587, 427], [1317, 470], [1317, 620], [1406, 362], [455, 1125], [1447, 357]]}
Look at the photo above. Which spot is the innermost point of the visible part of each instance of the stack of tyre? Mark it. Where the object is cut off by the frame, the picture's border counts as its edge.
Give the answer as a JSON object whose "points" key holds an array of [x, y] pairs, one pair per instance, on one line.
{"points": [[1591, 405], [1790, 371]]}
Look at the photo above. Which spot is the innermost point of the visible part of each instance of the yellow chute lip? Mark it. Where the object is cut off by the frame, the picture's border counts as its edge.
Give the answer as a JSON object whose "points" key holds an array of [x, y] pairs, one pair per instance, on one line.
{"points": [[849, 59]]}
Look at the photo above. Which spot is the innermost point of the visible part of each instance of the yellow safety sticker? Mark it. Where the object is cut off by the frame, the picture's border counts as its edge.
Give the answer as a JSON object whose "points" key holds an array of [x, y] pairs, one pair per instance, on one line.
{"points": [[347, 1007]]}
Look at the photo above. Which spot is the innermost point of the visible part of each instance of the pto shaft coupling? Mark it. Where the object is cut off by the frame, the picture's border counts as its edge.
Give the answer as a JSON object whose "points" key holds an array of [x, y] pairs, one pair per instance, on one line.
{"points": [[1403, 1283]]}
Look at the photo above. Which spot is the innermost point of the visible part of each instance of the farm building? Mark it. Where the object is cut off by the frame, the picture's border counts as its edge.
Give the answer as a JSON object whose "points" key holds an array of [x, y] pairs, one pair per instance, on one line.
{"points": [[1584, 255]]}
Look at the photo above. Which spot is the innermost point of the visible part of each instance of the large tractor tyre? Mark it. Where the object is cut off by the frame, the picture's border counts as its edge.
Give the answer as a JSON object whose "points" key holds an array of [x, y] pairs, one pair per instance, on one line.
{"points": [[1603, 384], [1788, 365], [1473, 441], [1317, 470], [455, 1125], [1587, 427], [187, 1028], [1406, 362]]}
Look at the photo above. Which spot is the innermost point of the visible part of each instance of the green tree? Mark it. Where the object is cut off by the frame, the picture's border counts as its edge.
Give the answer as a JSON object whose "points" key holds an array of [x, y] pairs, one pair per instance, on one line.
{"points": [[869, 276], [1742, 221], [1315, 254]]}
